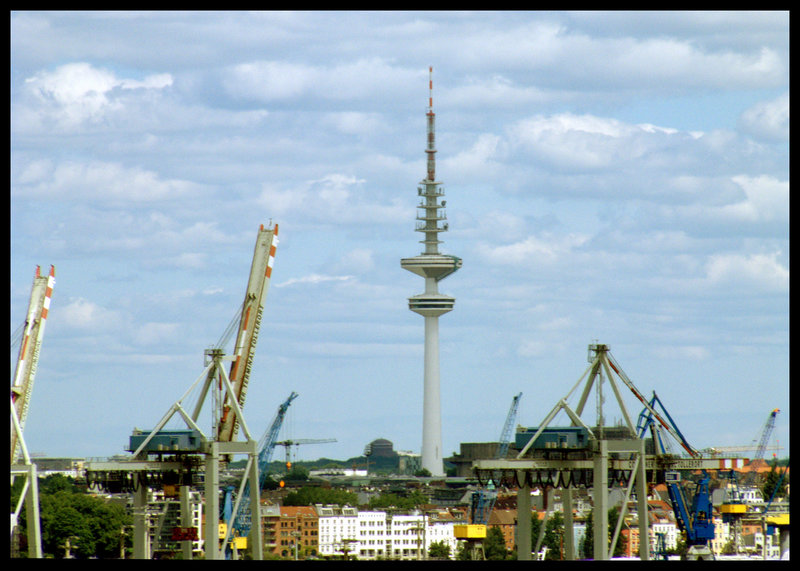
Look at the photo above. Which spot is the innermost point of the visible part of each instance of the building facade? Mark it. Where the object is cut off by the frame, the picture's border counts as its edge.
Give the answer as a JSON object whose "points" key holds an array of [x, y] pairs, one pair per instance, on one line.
{"points": [[372, 535]]}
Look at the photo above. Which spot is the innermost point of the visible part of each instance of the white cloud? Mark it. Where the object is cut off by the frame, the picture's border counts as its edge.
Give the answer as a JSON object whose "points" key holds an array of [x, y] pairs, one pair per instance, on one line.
{"points": [[359, 260], [273, 80], [83, 314], [97, 181], [314, 279], [78, 92], [153, 333], [761, 271], [768, 120], [689, 352], [767, 200], [545, 249], [478, 159], [568, 141], [333, 199]]}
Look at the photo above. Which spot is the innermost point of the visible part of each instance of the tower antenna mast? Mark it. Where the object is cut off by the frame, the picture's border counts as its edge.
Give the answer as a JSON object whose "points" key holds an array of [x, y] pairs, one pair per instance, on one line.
{"points": [[434, 267]]}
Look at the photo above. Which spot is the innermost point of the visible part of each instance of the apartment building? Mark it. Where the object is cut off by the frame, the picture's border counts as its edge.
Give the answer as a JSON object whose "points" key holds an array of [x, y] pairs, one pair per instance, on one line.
{"points": [[371, 535], [337, 530]]}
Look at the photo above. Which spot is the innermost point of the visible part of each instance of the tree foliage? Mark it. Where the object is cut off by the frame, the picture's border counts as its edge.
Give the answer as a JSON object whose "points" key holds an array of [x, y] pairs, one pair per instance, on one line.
{"points": [[587, 546], [494, 546], [773, 484], [91, 526], [392, 500], [310, 495], [439, 550]]}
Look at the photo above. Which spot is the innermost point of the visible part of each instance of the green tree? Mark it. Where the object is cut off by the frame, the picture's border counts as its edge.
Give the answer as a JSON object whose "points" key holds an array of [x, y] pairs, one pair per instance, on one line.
{"points": [[439, 550], [773, 483], [536, 525], [587, 545], [310, 495], [297, 473], [392, 500], [553, 536], [90, 526], [494, 546]]}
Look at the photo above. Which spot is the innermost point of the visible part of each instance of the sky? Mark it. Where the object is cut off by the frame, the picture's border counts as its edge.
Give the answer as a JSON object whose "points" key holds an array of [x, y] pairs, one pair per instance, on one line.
{"points": [[610, 177]]}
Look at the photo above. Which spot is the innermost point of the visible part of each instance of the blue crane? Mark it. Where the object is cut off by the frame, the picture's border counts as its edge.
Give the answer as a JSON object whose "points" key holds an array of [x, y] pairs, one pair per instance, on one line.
{"points": [[241, 519], [695, 519], [483, 500], [766, 432]]}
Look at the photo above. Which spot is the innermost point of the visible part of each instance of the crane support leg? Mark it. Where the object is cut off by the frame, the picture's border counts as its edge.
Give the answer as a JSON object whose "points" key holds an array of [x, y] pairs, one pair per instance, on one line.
{"points": [[186, 520], [254, 541], [600, 498], [641, 497], [211, 535], [524, 520], [140, 542], [569, 537]]}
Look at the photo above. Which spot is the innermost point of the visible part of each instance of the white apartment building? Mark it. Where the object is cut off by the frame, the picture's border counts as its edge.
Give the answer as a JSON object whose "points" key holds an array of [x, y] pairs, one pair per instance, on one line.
{"points": [[337, 530], [668, 529], [370, 535]]}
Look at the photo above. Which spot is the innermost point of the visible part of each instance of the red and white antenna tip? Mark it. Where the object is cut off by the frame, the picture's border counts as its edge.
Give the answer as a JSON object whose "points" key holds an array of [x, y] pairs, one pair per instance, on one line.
{"points": [[430, 88]]}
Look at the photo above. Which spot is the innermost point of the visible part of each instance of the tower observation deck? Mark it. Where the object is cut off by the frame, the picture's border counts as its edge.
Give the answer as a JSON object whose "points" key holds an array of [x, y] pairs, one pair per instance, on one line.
{"points": [[433, 267]]}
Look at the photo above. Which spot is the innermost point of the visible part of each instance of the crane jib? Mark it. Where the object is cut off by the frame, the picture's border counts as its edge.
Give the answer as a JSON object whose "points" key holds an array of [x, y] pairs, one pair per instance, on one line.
{"points": [[250, 321]]}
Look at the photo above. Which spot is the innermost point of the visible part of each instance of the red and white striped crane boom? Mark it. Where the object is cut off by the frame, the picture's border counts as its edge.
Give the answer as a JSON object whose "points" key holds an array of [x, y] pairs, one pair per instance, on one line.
{"points": [[30, 346], [249, 324]]}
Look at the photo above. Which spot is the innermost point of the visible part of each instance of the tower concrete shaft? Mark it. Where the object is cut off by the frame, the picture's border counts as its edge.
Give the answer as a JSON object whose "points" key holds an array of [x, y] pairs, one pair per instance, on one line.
{"points": [[434, 267]]}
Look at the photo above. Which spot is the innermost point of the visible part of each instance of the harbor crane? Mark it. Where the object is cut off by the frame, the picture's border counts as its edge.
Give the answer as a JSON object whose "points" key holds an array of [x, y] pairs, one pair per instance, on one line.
{"points": [[694, 517], [240, 521], [227, 391], [21, 391], [483, 500], [766, 432]]}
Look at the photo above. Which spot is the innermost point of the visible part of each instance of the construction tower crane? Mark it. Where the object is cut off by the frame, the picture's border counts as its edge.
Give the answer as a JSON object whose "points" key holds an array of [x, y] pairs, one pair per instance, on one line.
{"points": [[249, 324], [240, 520], [287, 444]]}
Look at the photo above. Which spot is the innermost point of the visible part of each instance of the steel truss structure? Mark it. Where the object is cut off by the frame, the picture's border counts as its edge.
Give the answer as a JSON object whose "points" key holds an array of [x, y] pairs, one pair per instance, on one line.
{"points": [[603, 463]]}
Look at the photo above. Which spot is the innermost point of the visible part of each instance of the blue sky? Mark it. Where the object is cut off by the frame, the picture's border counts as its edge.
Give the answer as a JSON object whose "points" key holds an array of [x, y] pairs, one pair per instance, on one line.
{"points": [[619, 177]]}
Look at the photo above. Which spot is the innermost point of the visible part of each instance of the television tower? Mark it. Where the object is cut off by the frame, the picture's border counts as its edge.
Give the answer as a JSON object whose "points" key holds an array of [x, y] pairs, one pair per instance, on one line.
{"points": [[434, 267]]}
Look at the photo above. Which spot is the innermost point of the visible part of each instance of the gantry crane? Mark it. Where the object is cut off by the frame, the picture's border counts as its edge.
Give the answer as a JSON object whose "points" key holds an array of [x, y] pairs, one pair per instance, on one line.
{"points": [[21, 390], [240, 520], [228, 395]]}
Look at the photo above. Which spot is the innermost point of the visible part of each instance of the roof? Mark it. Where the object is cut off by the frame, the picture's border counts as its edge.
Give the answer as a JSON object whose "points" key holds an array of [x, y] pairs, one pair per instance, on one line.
{"points": [[503, 517], [298, 511]]}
